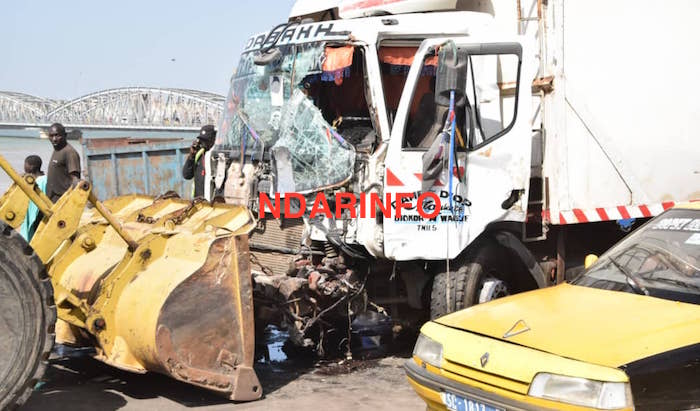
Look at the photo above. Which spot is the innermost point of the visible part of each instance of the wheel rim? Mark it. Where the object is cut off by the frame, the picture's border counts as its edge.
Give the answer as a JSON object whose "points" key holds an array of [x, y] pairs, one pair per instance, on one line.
{"points": [[492, 289]]}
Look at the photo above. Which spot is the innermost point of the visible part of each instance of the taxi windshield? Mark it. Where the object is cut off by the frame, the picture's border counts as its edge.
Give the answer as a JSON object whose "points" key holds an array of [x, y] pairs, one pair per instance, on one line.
{"points": [[661, 259]]}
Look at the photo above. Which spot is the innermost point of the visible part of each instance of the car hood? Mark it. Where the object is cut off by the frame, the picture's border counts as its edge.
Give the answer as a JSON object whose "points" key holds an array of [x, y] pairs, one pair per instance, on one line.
{"points": [[608, 328]]}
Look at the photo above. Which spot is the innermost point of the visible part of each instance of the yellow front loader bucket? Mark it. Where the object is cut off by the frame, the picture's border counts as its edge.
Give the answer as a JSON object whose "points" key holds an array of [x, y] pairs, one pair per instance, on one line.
{"points": [[154, 284], [180, 303]]}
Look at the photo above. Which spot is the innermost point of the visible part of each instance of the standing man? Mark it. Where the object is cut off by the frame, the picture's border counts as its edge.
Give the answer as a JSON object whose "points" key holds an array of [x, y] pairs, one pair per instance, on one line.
{"points": [[194, 165], [32, 165], [64, 167]]}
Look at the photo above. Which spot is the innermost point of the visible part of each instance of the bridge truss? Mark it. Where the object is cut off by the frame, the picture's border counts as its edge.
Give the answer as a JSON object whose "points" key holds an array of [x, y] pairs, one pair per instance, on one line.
{"points": [[127, 107], [23, 108]]}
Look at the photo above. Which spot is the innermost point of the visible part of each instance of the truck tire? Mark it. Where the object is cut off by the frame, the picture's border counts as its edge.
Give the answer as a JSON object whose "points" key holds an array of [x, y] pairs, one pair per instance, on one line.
{"points": [[474, 282], [27, 318], [438, 296]]}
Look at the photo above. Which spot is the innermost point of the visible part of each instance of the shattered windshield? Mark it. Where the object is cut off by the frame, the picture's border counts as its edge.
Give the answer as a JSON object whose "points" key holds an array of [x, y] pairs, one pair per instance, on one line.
{"points": [[267, 111], [662, 257]]}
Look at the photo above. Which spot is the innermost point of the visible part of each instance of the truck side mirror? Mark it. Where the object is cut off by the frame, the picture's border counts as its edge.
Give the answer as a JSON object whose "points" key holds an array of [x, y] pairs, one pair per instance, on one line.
{"points": [[451, 75]]}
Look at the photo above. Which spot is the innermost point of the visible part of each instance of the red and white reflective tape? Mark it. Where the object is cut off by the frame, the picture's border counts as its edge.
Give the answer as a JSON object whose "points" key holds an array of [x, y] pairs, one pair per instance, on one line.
{"points": [[394, 179], [402, 178], [591, 215]]}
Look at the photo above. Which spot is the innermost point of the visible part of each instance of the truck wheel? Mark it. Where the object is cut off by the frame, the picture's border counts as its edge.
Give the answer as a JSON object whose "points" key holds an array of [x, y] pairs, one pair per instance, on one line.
{"points": [[473, 283], [482, 287], [27, 318], [438, 296]]}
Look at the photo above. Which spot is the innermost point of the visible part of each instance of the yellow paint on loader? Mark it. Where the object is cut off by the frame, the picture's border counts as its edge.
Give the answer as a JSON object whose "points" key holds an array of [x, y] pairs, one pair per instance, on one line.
{"points": [[155, 284]]}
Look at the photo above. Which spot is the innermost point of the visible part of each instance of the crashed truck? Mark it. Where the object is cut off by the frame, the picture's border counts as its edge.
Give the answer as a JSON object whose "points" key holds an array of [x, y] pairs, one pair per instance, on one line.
{"points": [[538, 125], [543, 128]]}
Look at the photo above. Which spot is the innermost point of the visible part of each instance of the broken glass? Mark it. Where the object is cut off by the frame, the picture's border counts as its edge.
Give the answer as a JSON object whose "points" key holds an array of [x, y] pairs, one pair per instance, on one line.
{"points": [[257, 97], [320, 157], [266, 109]]}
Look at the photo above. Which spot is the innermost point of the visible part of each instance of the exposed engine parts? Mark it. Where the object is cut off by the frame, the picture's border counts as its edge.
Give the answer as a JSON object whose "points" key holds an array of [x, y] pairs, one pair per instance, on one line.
{"points": [[315, 291]]}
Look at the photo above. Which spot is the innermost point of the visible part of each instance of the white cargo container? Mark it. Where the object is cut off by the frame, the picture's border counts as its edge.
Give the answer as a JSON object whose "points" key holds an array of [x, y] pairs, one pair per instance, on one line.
{"points": [[619, 121]]}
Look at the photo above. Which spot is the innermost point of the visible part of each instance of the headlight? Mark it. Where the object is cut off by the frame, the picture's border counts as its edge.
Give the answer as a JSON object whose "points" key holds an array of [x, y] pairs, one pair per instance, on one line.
{"points": [[581, 391], [428, 350]]}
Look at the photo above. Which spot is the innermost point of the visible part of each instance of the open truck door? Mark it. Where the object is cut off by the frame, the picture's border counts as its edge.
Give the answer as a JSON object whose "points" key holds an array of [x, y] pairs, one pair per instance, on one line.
{"points": [[462, 131]]}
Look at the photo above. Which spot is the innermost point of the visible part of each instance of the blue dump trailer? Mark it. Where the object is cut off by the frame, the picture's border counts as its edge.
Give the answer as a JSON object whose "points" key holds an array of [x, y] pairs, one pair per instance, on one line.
{"points": [[119, 166]]}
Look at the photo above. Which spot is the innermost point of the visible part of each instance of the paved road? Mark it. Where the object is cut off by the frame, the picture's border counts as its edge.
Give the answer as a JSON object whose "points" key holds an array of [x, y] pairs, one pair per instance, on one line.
{"points": [[85, 384]]}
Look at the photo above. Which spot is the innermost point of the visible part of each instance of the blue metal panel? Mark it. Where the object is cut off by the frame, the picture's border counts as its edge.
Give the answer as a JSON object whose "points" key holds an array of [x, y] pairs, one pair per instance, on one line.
{"points": [[132, 166]]}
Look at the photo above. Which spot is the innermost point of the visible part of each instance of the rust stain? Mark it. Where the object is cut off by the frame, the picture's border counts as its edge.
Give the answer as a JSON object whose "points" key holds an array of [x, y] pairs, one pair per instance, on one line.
{"points": [[202, 337], [486, 153]]}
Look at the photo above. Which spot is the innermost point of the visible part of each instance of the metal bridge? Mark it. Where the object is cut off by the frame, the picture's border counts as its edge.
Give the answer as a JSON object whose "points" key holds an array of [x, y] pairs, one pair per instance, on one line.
{"points": [[130, 108]]}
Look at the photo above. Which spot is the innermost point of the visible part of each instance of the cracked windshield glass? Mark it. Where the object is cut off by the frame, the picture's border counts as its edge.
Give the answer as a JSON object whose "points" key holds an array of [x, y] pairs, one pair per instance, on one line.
{"points": [[272, 109]]}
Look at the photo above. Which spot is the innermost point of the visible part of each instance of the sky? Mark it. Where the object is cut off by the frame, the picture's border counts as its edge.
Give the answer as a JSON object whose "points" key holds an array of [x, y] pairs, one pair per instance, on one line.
{"points": [[69, 48]]}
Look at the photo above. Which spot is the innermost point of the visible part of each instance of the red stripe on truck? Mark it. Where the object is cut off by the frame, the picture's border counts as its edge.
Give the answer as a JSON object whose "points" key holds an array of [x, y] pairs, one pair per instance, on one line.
{"points": [[580, 216], [623, 212], [645, 210], [602, 214], [364, 4], [392, 180]]}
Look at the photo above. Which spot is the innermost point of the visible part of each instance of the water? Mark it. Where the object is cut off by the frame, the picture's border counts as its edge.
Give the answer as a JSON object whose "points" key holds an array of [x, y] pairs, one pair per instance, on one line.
{"points": [[16, 149], [275, 339], [16, 145]]}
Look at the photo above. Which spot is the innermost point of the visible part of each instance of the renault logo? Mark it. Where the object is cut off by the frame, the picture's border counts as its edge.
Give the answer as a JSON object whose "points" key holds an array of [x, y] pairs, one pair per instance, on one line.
{"points": [[518, 328], [484, 359]]}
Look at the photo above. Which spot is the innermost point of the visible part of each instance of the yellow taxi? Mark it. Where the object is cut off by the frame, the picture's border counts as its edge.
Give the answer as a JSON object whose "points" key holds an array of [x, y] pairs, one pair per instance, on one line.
{"points": [[624, 335]]}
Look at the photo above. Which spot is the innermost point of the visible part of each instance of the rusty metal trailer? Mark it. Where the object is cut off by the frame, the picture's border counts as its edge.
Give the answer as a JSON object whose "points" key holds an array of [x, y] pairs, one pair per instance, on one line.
{"points": [[127, 165]]}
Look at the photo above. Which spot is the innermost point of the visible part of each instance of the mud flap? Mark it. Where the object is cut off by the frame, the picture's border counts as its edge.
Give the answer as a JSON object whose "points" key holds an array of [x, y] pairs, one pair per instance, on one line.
{"points": [[205, 334]]}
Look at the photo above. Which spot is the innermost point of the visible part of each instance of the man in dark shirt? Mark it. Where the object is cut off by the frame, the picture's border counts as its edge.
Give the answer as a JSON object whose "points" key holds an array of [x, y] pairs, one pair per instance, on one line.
{"points": [[64, 166], [194, 164]]}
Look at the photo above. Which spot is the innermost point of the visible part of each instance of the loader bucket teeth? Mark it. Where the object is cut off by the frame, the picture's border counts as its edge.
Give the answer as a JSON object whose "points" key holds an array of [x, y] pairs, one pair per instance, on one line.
{"points": [[204, 334]]}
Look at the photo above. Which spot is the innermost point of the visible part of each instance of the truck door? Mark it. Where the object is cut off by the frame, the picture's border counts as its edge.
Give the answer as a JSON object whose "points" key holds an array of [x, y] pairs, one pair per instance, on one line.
{"points": [[492, 139]]}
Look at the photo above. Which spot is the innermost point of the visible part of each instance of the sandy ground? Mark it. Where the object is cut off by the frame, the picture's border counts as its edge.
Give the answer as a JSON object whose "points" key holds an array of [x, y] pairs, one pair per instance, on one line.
{"points": [[86, 384]]}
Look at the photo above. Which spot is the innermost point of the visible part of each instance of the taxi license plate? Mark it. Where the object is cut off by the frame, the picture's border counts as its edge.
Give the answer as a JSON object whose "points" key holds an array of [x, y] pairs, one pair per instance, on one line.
{"points": [[456, 403]]}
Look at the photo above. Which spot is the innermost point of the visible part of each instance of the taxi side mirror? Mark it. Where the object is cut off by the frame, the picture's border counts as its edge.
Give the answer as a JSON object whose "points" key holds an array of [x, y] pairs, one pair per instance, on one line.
{"points": [[590, 260]]}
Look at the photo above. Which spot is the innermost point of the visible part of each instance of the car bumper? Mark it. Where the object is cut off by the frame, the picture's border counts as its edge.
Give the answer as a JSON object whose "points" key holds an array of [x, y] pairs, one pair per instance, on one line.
{"points": [[429, 385]]}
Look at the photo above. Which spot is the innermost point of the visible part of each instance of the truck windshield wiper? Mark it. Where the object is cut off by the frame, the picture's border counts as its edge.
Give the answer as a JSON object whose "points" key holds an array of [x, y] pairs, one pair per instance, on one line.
{"points": [[631, 280]]}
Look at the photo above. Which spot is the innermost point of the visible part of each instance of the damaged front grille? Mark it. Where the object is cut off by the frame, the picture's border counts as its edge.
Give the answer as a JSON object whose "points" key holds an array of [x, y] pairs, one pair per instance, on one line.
{"points": [[466, 374], [274, 244]]}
